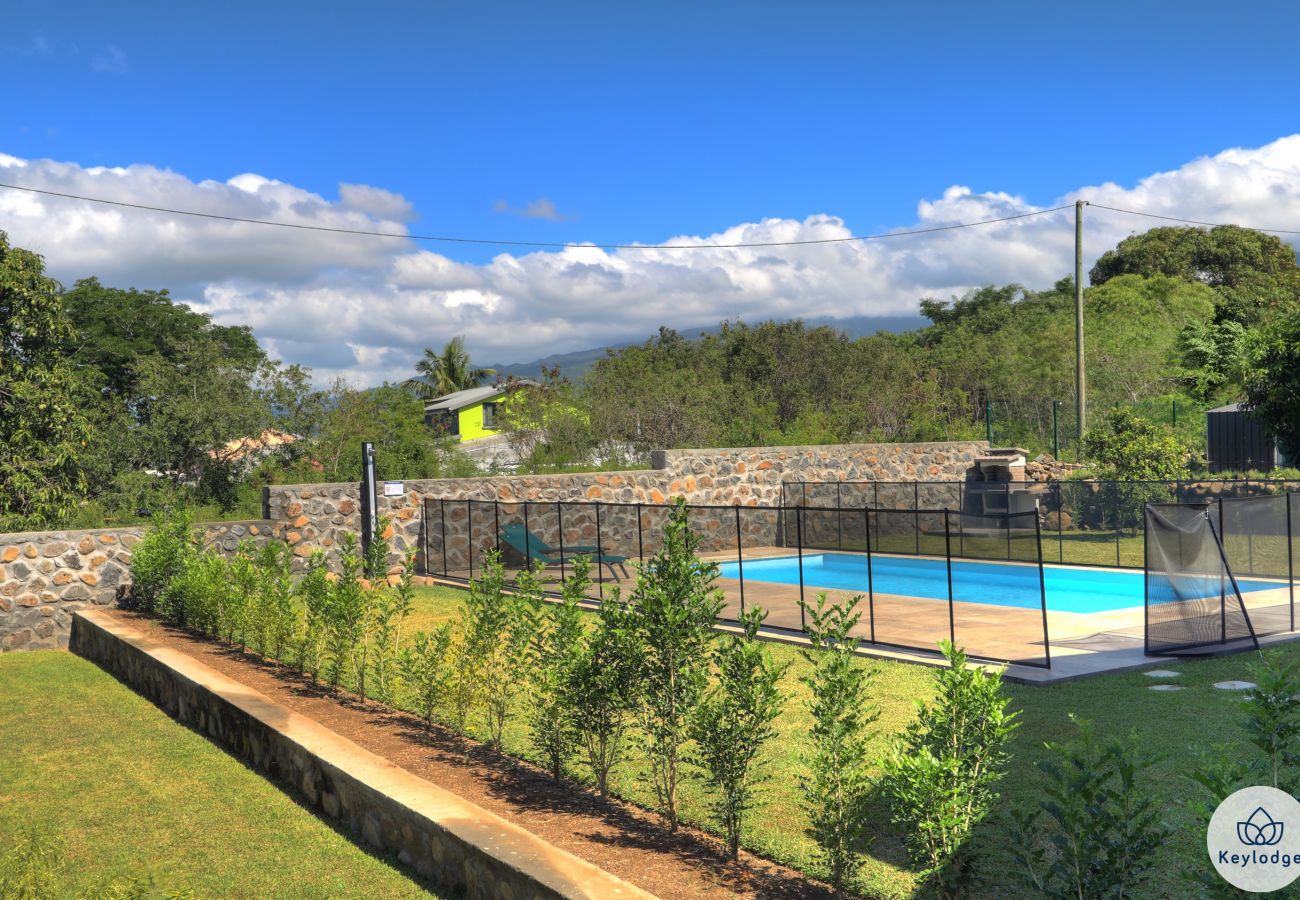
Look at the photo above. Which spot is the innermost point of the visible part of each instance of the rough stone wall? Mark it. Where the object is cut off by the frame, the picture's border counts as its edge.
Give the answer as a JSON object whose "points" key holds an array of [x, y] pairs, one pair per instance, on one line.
{"points": [[46, 575], [312, 516]]}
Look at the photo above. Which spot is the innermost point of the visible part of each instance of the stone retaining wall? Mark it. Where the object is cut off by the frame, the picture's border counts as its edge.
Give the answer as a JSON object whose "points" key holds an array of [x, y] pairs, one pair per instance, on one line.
{"points": [[311, 516], [46, 575], [443, 837]]}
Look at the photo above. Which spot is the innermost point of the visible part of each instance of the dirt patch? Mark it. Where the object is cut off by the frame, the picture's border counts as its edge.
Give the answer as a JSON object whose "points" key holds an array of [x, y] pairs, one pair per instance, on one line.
{"points": [[620, 838]]}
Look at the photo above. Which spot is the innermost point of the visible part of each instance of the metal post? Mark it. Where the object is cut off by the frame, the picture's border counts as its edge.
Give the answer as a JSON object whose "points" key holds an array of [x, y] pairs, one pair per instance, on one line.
{"points": [[1080, 383], [442, 512], [839, 525], [496, 521], [916, 515], [600, 554], [1060, 523], [988, 421], [469, 532], [740, 562], [559, 522], [1056, 429], [528, 543], [1146, 582], [1175, 414], [798, 531], [871, 588], [640, 547], [369, 522], [1290, 559], [952, 621], [1042, 589]]}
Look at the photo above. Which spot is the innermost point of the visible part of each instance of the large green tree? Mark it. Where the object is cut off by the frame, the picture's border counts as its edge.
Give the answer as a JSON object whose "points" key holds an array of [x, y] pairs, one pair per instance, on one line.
{"points": [[446, 372], [1254, 274], [43, 431], [1273, 386]]}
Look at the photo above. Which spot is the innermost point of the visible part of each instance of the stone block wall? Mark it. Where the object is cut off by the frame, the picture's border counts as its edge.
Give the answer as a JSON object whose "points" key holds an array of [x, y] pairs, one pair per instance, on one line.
{"points": [[312, 516], [46, 575]]}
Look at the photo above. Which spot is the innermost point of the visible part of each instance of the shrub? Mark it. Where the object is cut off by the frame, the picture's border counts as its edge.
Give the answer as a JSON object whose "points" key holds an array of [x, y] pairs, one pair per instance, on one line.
{"points": [[242, 598], [375, 565], [733, 721], [556, 646], [198, 597], [602, 688], [345, 614], [484, 620], [157, 560], [388, 614], [673, 612], [940, 774], [316, 592], [1096, 832], [277, 613], [512, 659], [838, 785], [427, 672]]}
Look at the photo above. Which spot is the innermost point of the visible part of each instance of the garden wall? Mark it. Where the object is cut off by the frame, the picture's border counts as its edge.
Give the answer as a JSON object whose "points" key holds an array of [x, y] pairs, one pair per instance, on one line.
{"points": [[46, 575], [311, 516], [441, 836]]}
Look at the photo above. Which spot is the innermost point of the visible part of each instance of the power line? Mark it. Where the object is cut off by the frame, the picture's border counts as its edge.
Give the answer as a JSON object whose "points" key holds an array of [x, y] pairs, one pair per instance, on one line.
{"points": [[549, 244], [1134, 212]]}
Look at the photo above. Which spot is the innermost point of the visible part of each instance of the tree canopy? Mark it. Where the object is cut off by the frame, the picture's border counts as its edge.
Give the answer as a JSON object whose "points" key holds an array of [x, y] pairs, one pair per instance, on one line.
{"points": [[445, 373]]}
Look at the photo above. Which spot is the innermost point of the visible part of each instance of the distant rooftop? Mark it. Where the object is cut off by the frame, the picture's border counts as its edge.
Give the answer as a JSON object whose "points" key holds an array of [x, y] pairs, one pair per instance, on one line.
{"points": [[462, 399]]}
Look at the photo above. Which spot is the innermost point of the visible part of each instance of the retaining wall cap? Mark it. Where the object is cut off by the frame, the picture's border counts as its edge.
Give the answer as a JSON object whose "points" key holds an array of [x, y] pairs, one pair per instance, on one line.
{"points": [[557, 869]]}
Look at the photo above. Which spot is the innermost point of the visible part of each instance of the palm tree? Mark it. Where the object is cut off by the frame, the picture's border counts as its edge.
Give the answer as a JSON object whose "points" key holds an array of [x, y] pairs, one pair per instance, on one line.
{"points": [[446, 372]]}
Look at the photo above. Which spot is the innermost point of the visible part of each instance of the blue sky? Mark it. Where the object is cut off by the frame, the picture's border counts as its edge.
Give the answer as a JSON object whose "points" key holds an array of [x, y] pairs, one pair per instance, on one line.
{"points": [[621, 122]]}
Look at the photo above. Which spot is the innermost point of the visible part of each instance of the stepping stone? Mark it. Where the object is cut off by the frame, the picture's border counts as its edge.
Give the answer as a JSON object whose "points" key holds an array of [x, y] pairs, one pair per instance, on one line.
{"points": [[1234, 685], [1160, 673], [1165, 687]]}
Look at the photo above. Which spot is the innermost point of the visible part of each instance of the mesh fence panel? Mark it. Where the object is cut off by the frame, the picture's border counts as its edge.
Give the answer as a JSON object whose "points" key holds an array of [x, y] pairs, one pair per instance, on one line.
{"points": [[997, 588], [1256, 537], [1192, 604]]}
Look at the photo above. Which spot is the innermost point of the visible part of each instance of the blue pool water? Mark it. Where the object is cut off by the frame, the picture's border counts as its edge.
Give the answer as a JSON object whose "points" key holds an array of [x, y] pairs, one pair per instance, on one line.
{"points": [[1002, 584]]}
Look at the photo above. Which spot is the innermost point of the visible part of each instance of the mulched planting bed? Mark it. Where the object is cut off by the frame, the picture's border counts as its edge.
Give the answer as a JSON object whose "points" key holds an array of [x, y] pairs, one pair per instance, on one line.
{"points": [[620, 838]]}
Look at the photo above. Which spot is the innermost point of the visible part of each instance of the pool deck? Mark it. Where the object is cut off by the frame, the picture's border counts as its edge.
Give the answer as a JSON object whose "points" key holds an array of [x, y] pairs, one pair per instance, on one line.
{"points": [[898, 627]]}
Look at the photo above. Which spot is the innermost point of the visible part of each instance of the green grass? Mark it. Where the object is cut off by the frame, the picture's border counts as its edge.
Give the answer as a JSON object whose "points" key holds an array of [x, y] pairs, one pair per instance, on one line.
{"points": [[1180, 725], [125, 791]]}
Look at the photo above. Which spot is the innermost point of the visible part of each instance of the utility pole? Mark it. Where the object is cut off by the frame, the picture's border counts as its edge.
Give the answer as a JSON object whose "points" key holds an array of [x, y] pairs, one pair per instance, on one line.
{"points": [[1080, 385]]}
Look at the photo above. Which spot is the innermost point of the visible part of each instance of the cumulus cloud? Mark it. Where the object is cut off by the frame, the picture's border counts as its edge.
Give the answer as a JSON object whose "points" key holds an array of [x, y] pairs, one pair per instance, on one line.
{"points": [[363, 308], [541, 208]]}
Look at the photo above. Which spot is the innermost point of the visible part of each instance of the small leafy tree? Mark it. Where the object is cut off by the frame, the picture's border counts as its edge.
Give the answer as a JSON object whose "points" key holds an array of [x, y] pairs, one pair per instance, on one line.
{"points": [[157, 560], [513, 659], [388, 614], [838, 785], [484, 620], [556, 647], [426, 670], [674, 608], [1123, 449], [277, 619], [939, 776], [345, 613], [242, 599], [316, 593], [603, 688], [375, 566], [734, 720], [1097, 829]]}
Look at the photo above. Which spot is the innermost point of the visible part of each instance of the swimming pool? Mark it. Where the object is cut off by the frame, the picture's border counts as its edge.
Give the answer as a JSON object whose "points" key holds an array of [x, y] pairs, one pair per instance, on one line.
{"points": [[1077, 590]]}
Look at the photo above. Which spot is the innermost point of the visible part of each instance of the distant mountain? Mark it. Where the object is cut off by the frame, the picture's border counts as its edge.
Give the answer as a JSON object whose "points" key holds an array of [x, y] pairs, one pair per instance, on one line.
{"points": [[576, 363]]}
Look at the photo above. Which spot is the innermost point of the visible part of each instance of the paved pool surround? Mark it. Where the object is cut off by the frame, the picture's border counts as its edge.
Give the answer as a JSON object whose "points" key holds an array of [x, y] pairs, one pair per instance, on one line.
{"points": [[439, 835]]}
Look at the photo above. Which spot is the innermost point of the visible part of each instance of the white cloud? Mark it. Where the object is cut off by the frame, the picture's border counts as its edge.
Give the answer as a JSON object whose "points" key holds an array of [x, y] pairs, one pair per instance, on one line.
{"points": [[541, 208], [364, 307]]}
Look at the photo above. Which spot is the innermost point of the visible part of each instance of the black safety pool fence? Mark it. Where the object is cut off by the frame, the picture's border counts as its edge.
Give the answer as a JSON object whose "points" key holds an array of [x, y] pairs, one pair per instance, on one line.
{"points": [[921, 575], [1083, 523]]}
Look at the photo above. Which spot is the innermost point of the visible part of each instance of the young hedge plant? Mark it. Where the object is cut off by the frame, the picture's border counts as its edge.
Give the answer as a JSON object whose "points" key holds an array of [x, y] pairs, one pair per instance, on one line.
{"points": [[734, 720], [939, 776], [839, 784], [674, 607], [557, 643]]}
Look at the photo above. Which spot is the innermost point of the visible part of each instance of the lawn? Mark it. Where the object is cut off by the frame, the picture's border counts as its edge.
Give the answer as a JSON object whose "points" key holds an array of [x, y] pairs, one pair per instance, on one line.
{"points": [[1179, 725], [126, 792]]}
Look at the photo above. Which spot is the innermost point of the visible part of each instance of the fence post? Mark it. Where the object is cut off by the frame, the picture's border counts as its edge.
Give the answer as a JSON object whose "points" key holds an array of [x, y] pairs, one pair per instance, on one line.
{"points": [[496, 521], [559, 525], [469, 534], [740, 562], [442, 512], [871, 588], [528, 540], [1290, 559], [916, 515], [952, 621], [600, 554], [1060, 522], [1146, 580], [839, 525], [798, 531], [1042, 588], [640, 547]]}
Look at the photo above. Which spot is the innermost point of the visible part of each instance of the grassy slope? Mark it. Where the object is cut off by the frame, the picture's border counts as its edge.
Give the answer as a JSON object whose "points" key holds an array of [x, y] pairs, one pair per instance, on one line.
{"points": [[128, 792], [1179, 725]]}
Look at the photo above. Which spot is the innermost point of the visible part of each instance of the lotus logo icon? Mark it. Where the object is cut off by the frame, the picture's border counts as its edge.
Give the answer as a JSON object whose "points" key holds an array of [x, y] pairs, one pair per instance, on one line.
{"points": [[1260, 830]]}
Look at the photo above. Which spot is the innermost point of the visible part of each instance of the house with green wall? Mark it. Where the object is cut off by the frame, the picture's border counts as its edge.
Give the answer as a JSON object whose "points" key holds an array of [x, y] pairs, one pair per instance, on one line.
{"points": [[468, 414]]}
